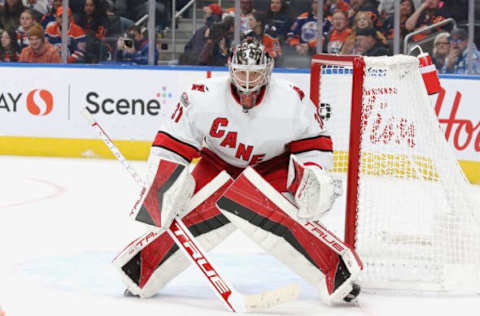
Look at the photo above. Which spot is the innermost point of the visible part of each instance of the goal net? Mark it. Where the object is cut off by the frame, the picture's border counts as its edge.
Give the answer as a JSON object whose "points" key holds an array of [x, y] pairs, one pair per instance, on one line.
{"points": [[410, 212]]}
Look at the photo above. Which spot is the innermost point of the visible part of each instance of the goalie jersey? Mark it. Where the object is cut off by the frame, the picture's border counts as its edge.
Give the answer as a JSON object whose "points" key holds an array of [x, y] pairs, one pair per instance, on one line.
{"points": [[208, 115]]}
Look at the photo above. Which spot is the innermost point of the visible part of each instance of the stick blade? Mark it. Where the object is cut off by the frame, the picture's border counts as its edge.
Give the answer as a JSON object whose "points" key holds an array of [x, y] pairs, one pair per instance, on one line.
{"points": [[262, 301]]}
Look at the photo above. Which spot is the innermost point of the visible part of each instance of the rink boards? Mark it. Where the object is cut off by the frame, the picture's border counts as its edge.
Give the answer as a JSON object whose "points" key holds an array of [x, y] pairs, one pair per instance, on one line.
{"points": [[40, 112]]}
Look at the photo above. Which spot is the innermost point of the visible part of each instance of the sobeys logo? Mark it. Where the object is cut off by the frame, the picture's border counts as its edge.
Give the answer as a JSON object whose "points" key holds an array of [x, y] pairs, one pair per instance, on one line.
{"points": [[39, 102]]}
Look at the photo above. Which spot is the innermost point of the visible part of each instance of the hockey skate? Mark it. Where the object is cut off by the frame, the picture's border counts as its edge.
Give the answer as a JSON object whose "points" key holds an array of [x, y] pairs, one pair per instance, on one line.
{"points": [[127, 293]]}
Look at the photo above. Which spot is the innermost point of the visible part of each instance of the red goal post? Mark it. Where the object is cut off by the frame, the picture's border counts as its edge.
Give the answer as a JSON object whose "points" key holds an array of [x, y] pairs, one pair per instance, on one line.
{"points": [[409, 211], [357, 63]]}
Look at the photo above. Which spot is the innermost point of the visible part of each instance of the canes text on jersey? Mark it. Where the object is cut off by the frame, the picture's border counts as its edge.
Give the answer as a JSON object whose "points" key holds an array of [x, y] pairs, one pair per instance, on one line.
{"points": [[243, 151]]}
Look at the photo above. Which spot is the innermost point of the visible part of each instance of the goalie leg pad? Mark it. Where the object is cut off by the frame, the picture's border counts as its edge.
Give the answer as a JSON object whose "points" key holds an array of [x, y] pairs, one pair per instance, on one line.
{"points": [[144, 271], [150, 262], [172, 186], [319, 261]]}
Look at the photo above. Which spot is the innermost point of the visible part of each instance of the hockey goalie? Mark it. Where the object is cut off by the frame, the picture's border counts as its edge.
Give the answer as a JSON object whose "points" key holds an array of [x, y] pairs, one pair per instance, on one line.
{"points": [[269, 140]]}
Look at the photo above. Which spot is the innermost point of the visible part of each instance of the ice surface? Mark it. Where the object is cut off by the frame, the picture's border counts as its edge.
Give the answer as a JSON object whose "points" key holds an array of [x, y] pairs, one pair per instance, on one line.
{"points": [[63, 220]]}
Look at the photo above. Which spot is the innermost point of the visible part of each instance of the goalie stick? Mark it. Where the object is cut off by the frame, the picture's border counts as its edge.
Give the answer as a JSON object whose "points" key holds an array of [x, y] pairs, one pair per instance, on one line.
{"points": [[233, 300]]}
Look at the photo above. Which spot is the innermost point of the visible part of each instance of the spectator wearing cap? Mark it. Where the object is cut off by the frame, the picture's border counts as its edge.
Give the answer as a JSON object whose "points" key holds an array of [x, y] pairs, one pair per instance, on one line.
{"points": [[192, 50], [213, 13], [368, 44], [39, 50], [456, 61], [76, 36]]}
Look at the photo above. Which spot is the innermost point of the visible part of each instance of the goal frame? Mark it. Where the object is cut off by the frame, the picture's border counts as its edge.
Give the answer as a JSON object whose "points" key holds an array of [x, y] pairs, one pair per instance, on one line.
{"points": [[358, 65]]}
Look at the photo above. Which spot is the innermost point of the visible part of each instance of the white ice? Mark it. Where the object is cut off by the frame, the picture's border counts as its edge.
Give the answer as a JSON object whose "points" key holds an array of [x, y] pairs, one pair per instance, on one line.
{"points": [[63, 220]]}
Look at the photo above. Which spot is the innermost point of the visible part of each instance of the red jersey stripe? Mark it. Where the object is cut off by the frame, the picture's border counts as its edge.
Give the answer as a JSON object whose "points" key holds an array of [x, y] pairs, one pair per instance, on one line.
{"points": [[322, 143], [166, 141]]}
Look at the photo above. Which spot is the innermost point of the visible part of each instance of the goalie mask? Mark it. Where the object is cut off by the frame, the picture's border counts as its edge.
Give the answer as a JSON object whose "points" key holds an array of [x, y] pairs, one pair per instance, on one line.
{"points": [[250, 70]]}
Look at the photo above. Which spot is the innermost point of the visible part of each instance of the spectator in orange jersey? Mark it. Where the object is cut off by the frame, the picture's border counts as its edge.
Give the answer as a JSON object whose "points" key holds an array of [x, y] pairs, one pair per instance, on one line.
{"points": [[265, 34], [336, 37], [27, 20], [39, 50], [76, 36], [428, 13], [49, 17], [8, 46]]}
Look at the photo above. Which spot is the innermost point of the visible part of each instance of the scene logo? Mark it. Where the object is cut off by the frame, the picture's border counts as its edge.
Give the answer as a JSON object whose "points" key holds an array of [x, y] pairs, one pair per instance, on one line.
{"points": [[114, 105], [40, 102]]}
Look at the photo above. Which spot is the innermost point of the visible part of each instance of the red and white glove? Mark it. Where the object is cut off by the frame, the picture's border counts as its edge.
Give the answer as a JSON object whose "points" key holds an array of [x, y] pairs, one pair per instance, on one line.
{"points": [[313, 188]]}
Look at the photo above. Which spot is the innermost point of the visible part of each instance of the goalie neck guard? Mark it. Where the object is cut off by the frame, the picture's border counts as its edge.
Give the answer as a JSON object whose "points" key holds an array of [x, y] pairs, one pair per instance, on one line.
{"points": [[250, 70]]}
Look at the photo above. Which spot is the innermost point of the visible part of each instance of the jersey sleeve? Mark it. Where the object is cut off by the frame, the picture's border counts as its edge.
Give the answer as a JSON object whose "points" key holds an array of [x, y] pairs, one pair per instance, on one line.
{"points": [[312, 144], [179, 139]]}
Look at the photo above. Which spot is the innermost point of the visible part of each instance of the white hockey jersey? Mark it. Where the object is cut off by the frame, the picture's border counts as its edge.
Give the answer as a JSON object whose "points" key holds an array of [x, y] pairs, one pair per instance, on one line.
{"points": [[208, 114]]}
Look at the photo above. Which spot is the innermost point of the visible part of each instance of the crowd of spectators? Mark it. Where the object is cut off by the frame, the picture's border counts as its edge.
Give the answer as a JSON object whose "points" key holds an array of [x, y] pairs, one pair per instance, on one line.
{"points": [[98, 30], [364, 27], [105, 30]]}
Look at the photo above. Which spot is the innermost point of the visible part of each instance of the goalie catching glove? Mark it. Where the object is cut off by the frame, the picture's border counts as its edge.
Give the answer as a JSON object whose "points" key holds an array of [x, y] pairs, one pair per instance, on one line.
{"points": [[165, 195], [313, 188]]}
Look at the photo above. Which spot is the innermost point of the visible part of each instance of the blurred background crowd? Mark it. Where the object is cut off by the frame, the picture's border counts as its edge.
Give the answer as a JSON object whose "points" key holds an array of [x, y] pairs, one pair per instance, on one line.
{"points": [[201, 32]]}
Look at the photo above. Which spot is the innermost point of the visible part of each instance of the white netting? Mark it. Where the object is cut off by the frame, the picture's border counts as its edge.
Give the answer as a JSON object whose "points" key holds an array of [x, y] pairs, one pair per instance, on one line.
{"points": [[418, 227]]}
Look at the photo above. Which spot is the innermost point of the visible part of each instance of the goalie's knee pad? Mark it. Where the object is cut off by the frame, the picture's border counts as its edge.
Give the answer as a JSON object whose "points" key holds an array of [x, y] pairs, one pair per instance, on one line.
{"points": [[147, 264], [151, 261]]}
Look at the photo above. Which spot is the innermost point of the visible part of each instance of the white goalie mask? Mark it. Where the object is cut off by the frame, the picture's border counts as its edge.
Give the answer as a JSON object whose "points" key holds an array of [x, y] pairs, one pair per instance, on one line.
{"points": [[250, 69]]}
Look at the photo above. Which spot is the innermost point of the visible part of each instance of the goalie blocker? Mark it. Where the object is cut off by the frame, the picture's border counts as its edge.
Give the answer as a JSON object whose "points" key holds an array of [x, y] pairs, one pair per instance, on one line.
{"points": [[307, 248], [169, 190]]}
